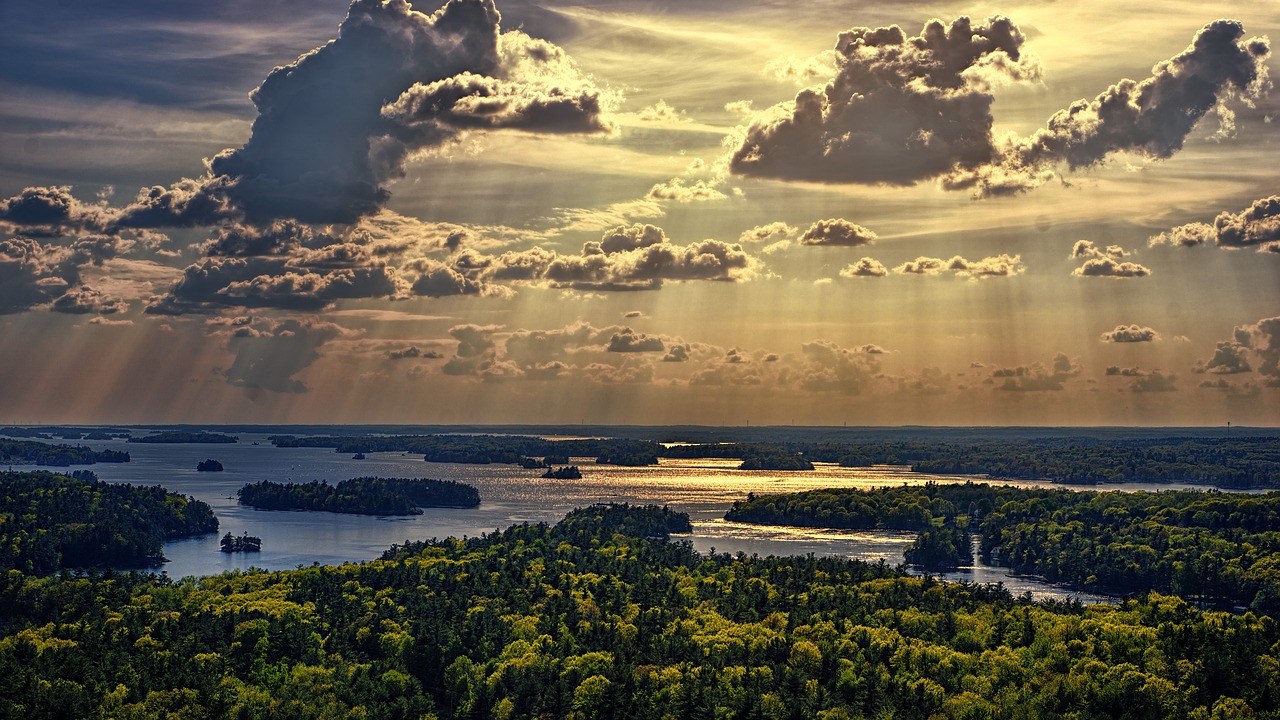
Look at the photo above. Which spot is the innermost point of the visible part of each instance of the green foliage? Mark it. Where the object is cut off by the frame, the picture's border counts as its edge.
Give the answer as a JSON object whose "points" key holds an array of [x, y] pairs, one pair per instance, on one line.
{"points": [[586, 622], [245, 543], [29, 452], [940, 548], [361, 496], [185, 437], [50, 521], [1220, 548]]}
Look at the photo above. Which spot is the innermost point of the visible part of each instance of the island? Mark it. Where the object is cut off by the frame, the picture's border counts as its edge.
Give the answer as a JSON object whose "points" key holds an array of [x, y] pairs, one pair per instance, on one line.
{"points": [[486, 449], [775, 461], [1220, 549], [185, 437], [940, 548], [30, 452], [209, 466], [565, 473], [49, 522], [603, 615], [358, 456], [244, 543], [361, 496]]}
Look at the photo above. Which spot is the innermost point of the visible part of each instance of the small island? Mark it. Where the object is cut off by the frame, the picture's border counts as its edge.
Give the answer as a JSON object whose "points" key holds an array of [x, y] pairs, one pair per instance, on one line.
{"points": [[534, 463], [361, 496], [185, 437], [358, 456], [244, 543], [30, 452], [565, 473], [209, 466], [777, 461]]}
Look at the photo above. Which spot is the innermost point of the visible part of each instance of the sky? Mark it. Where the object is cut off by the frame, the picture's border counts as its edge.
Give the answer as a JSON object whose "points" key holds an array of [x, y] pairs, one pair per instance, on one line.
{"points": [[664, 212]]}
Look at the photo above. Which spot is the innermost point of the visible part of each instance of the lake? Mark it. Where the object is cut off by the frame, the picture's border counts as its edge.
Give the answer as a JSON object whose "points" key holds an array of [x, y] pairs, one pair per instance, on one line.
{"points": [[510, 495]]}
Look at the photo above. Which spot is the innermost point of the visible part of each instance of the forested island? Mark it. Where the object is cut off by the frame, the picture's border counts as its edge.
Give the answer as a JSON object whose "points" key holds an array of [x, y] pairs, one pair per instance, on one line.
{"points": [[485, 449], [50, 521], [243, 543], [597, 617], [360, 496], [30, 452], [775, 461], [63, 433], [570, 472], [209, 466], [1221, 548], [1233, 462], [185, 437]]}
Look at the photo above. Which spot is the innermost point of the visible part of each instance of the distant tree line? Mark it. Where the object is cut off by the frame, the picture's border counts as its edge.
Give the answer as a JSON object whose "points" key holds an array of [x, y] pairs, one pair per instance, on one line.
{"points": [[50, 521], [588, 619], [1222, 548], [185, 437], [360, 496], [485, 449], [64, 433], [30, 452]]}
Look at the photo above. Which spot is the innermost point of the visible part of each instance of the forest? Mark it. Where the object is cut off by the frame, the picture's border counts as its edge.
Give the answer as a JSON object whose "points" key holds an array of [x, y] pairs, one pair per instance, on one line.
{"points": [[484, 449], [601, 617], [1213, 547], [1234, 462], [185, 437], [30, 452], [50, 521], [360, 496]]}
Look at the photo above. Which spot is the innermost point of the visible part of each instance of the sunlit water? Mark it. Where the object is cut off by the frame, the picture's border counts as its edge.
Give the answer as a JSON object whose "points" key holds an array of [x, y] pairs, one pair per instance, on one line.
{"points": [[510, 495]]}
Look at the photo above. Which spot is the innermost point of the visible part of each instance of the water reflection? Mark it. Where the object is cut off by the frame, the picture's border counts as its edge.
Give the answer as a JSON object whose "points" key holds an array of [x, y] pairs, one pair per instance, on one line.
{"points": [[703, 488]]}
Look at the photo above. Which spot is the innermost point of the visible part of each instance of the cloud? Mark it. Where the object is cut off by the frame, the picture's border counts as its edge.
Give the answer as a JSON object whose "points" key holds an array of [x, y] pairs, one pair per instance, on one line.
{"points": [[866, 267], [676, 353], [268, 358], [1129, 334], [899, 109], [48, 210], [1229, 357], [663, 114], [476, 348], [1108, 267], [1037, 377], [1086, 249], [413, 352], [996, 266], [1150, 118], [1256, 226], [764, 233], [639, 257], [837, 232], [677, 191], [1154, 381], [830, 368], [84, 299], [1260, 341], [629, 341], [1117, 371], [34, 273]]}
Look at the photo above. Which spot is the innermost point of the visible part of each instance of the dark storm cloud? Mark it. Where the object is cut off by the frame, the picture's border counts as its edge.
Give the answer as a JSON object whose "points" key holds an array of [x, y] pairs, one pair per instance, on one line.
{"points": [[1151, 118], [629, 341], [1130, 334], [1256, 226], [899, 109], [268, 359], [1037, 377], [51, 209], [838, 232]]}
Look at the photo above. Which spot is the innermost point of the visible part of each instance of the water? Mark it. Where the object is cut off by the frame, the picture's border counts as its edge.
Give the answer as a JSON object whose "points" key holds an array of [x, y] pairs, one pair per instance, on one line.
{"points": [[703, 488]]}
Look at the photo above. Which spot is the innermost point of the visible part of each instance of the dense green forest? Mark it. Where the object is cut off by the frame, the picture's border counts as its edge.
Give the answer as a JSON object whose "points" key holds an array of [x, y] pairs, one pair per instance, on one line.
{"points": [[1236, 462], [185, 437], [361, 496], [484, 449], [582, 620], [50, 521], [1217, 547], [30, 452], [940, 548]]}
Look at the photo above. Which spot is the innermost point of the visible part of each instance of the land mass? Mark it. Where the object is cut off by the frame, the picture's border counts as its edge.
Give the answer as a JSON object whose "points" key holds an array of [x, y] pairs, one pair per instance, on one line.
{"points": [[30, 452], [360, 496]]}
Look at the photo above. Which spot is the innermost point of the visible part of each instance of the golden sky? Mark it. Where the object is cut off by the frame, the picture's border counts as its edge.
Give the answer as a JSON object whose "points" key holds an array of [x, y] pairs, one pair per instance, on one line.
{"points": [[701, 212]]}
